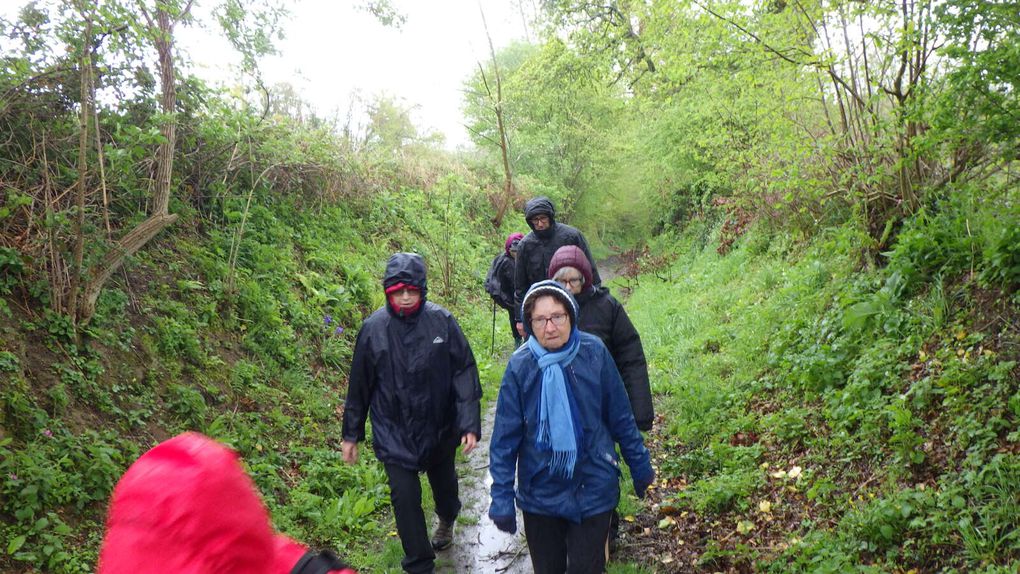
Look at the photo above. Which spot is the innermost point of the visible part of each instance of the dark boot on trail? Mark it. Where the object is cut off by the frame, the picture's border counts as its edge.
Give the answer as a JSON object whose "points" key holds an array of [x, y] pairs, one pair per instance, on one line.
{"points": [[442, 538]]}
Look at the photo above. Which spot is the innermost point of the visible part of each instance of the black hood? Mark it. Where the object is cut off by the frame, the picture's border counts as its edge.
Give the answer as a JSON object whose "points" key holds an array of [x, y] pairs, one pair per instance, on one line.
{"points": [[407, 268], [540, 206]]}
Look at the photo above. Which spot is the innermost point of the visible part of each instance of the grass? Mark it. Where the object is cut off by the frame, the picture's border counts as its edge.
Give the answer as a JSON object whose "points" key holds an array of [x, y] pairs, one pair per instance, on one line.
{"points": [[883, 387]]}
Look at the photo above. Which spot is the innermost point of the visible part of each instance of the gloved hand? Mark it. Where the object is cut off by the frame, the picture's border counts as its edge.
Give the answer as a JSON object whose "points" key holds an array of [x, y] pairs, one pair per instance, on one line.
{"points": [[507, 524], [641, 485]]}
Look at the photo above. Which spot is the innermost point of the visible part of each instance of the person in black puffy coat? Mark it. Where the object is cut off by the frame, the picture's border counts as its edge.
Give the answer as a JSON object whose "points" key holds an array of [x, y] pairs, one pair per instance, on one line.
{"points": [[602, 315], [414, 374], [537, 248]]}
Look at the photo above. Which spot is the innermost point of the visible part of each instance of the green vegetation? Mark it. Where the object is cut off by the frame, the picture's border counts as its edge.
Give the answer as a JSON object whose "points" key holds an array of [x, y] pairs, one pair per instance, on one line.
{"points": [[845, 417], [814, 207]]}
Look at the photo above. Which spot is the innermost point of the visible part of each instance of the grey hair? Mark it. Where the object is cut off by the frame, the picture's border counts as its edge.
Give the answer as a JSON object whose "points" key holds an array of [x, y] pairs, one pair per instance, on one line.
{"points": [[563, 271]]}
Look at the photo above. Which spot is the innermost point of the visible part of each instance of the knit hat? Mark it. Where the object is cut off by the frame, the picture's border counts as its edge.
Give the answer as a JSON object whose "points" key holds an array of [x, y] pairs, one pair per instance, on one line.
{"points": [[186, 506], [512, 241], [571, 256], [549, 287]]}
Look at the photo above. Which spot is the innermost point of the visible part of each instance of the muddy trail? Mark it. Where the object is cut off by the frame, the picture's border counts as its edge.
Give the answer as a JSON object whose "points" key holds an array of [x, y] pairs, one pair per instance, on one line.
{"points": [[478, 545]]}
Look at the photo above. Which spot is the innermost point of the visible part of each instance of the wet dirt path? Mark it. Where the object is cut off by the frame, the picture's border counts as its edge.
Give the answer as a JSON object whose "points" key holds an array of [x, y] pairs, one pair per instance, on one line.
{"points": [[478, 545]]}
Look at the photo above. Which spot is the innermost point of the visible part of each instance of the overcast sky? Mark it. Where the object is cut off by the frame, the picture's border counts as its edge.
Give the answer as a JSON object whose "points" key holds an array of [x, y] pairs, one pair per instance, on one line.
{"points": [[332, 50]]}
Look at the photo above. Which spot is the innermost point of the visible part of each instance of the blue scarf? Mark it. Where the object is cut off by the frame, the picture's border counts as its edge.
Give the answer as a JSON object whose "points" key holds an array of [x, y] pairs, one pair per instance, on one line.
{"points": [[556, 426]]}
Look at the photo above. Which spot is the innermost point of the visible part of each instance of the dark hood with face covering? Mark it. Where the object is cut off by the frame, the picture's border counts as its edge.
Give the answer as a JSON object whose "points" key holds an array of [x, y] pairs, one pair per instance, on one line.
{"points": [[406, 268], [541, 206]]}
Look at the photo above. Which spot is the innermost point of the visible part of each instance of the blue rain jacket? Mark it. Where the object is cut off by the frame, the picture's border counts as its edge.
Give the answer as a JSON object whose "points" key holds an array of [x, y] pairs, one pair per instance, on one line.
{"points": [[606, 418]]}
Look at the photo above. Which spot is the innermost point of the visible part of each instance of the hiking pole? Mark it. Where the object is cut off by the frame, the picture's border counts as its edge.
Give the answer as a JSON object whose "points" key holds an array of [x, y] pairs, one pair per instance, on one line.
{"points": [[492, 341]]}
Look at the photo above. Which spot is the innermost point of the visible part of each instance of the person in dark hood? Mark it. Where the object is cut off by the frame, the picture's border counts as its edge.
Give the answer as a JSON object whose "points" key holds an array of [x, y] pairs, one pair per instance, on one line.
{"points": [[187, 506], [537, 248], [602, 315], [561, 412], [414, 373], [499, 283]]}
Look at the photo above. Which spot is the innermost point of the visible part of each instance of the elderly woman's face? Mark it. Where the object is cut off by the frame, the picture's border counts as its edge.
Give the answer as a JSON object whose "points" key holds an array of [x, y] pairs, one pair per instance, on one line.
{"points": [[550, 322]]}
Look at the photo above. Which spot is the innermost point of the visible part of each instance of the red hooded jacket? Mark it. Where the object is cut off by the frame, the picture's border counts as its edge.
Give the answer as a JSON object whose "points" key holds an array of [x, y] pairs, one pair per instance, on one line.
{"points": [[186, 506]]}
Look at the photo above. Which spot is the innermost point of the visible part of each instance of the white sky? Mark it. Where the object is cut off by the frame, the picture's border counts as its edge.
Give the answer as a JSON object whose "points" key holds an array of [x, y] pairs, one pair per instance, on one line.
{"points": [[333, 50]]}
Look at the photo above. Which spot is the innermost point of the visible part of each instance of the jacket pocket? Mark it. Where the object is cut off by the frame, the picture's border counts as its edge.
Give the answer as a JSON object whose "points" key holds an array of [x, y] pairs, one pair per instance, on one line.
{"points": [[608, 461]]}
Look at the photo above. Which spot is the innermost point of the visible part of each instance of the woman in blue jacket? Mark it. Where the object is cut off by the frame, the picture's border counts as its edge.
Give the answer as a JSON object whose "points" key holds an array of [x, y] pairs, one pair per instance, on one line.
{"points": [[561, 410]]}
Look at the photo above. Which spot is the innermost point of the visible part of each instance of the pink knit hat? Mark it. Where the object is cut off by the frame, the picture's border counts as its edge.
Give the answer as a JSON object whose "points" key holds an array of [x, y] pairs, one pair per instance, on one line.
{"points": [[511, 241]]}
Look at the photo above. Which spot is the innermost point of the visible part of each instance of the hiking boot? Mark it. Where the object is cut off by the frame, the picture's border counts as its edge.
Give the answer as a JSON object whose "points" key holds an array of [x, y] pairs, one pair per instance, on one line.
{"points": [[442, 538]]}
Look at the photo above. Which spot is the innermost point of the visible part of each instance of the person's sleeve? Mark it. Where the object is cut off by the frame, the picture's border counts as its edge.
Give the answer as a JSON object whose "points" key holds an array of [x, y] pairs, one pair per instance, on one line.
{"points": [[520, 279], [629, 356], [583, 244], [504, 445], [360, 386], [621, 421], [507, 284], [466, 386]]}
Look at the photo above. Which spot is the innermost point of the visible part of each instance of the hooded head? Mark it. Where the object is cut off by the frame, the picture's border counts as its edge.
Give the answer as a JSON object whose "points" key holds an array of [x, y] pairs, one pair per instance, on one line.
{"points": [[571, 256], [405, 270], [540, 206], [511, 242], [187, 506], [557, 291]]}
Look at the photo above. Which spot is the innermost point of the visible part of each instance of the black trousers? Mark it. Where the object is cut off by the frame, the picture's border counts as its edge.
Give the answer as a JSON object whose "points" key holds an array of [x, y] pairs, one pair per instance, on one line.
{"points": [[405, 495], [558, 546], [513, 329]]}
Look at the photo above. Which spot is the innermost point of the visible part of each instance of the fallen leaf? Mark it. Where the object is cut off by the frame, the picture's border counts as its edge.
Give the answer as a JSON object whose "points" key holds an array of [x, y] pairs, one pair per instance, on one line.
{"points": [[765, 506], [629, 518], [779, 474], [794, 472], [666, 523], [744, 526]]}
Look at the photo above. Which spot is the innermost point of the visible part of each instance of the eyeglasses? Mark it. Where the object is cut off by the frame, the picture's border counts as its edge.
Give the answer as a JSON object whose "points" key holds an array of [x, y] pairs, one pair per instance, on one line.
{"points": [[558, 320], [573, 281], [543, 219]]}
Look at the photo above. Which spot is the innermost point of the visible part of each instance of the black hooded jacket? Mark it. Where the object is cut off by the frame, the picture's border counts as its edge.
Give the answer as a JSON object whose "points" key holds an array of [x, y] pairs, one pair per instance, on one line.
{"points": [[415, 376], [602, 315], [535, 251]]}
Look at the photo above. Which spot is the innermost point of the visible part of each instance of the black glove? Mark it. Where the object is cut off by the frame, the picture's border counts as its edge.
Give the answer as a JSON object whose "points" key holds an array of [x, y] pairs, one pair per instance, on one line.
{"points": [[640, 486], [318, 563], [507, 524]]}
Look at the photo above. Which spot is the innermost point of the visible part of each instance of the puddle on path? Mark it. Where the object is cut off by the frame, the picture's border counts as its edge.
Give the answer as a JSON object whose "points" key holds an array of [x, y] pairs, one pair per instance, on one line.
{"points": [[478, 545]]}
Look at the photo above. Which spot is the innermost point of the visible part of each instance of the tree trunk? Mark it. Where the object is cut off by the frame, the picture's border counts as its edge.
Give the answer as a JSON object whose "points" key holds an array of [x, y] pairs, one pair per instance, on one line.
{"points": [[160, 218], [504, 140], [78, 256]]}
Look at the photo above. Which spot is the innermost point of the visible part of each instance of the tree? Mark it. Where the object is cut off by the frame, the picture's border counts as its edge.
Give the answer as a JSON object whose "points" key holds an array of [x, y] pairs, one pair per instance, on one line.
{"points": [[160, 23]]}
